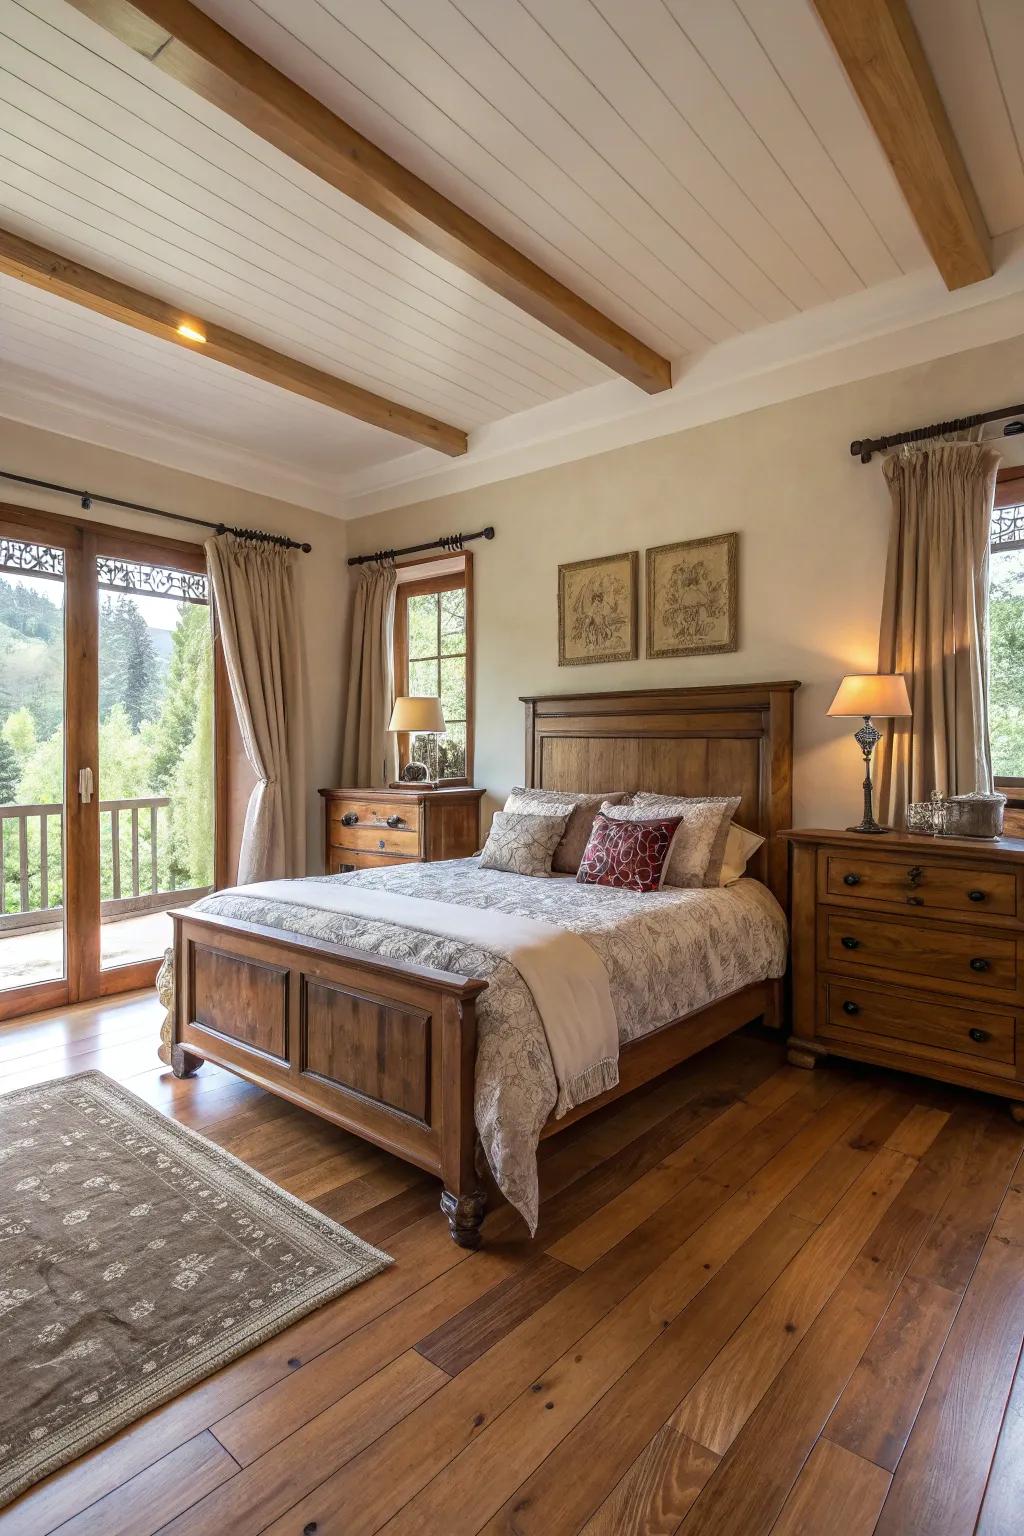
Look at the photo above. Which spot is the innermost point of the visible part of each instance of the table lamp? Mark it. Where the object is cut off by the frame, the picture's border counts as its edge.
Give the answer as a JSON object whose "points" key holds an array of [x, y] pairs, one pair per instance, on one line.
{"points": [[864, 695], [420, 715]]}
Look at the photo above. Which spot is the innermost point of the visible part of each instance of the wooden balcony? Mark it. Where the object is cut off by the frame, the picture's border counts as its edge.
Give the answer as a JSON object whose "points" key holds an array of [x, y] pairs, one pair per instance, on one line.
{"points": [[31, 888]]}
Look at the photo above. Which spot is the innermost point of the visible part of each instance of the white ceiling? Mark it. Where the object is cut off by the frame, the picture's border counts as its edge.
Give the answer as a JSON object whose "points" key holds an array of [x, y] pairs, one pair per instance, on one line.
{"points": [[698, 171]]}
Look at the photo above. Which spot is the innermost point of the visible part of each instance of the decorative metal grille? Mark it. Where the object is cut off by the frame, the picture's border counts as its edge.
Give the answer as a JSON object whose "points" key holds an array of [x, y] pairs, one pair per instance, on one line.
{"points": [[156, 580], [1008, 528], [32, 559]]}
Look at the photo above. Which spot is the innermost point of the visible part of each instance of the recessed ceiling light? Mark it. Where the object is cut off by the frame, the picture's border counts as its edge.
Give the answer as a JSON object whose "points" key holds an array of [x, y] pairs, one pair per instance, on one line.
{"points": [[191, 332]]}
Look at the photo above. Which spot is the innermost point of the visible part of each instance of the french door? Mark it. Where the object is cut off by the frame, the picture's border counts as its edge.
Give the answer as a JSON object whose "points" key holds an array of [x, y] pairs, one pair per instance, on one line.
{"points": [[110, 681]]}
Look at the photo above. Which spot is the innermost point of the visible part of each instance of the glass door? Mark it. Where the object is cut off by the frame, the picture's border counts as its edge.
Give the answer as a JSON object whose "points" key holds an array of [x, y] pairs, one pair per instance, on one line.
{"points": [[110, 681]]}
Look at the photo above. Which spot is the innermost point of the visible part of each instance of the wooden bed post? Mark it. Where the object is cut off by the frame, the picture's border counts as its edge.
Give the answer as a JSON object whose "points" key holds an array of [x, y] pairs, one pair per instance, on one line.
{"points": [[463, 1198], [184, 1063]]}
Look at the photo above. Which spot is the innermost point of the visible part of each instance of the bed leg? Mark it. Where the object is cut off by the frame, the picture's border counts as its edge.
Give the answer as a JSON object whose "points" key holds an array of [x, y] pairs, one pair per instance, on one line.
{"points": [[804, 1053], [465, 1216], [184, 1063]]}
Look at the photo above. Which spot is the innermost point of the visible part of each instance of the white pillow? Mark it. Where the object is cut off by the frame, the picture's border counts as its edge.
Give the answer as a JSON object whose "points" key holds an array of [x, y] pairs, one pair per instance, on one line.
{"points": [[740, 847], [698, 849]]}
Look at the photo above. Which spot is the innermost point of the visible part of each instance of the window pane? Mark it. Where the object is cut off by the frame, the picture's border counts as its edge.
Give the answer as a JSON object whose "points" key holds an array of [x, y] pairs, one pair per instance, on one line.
{"points": [[422, 627], [453, 688], [423, 678], [453, 622], [1006, 681], [451, 753]]}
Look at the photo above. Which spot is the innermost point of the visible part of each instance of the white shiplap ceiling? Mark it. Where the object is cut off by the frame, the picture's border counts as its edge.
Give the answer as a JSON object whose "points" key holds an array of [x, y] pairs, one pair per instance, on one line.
{"points": [[697, 171]]}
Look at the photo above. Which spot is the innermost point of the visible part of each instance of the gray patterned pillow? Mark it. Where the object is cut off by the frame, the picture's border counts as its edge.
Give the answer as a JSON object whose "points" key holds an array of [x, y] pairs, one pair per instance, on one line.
{"points": [[582, 810], [698, 849], [522, 844]]}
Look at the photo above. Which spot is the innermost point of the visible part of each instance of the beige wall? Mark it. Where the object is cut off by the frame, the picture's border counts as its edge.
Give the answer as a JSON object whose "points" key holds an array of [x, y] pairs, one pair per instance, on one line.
{"points": [[322, 578], [812, 523]]}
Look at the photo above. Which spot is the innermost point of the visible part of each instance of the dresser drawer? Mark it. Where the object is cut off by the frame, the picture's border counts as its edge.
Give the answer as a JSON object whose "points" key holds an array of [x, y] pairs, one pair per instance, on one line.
{"points": [[402, 841], [927, 885], [903, 1023], [373, 813], [976, 960], [341, 860]]}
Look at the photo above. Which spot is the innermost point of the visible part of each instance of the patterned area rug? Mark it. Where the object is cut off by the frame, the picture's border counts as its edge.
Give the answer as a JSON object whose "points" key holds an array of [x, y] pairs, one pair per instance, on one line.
{"points": [[135, 1258]]}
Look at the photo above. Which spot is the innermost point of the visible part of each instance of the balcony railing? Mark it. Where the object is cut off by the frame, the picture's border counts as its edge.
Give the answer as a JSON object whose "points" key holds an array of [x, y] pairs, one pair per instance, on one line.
{"points": [[134, 882]]}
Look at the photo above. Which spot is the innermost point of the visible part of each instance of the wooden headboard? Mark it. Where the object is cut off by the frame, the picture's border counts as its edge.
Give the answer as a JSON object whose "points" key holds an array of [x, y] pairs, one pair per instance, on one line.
{"points": [[730, 740]]}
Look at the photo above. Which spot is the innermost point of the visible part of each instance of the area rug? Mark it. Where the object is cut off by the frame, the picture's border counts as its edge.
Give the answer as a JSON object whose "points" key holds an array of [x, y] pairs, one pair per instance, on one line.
{"points": [[135, 1258]]}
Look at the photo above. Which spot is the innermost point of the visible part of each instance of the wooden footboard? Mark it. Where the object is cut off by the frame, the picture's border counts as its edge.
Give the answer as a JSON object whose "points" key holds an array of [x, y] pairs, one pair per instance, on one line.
{"points": [[384, 1049]]}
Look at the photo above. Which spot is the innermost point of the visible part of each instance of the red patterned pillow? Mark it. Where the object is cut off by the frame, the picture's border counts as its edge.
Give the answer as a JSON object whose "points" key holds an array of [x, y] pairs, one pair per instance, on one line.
{"points": [[630, 855]]}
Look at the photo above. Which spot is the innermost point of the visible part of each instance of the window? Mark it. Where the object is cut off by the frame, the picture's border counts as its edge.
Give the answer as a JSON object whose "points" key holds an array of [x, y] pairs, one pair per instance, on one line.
{"points": [[433, 656], [1006, 636]]}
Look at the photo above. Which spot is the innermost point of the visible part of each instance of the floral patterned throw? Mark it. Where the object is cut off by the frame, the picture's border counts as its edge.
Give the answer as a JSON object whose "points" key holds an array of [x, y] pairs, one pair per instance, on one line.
{"points": [[135, 1258]]}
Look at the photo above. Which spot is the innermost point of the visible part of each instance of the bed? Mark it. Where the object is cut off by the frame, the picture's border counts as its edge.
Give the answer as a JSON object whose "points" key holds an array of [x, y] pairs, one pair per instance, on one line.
{"points": [[427, 1048]]}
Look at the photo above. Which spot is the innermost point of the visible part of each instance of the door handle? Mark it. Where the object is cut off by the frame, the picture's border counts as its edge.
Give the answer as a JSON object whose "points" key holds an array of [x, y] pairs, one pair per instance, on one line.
{"points": [[85, 785]]}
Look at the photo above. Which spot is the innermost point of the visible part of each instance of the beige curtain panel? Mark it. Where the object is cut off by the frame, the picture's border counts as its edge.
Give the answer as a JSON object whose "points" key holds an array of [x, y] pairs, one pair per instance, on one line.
{"points": [[254, 590], [369, 755], [935, 623]]}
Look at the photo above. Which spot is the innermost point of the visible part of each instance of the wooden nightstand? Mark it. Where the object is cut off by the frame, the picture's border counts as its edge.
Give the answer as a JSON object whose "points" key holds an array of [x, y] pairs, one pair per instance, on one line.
{"points": [[908, 952], [369, 827]]}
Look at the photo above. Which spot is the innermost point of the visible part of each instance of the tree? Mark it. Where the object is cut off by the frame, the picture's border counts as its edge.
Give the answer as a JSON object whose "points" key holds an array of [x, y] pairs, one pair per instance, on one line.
{"points": [[191, 644], [19, 731], [1006, 667], [9, 772], [129, 675]]}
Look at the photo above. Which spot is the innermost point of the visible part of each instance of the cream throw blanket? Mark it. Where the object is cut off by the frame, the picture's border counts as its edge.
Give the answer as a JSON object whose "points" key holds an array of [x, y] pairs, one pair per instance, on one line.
{"points": [[567, 978]]}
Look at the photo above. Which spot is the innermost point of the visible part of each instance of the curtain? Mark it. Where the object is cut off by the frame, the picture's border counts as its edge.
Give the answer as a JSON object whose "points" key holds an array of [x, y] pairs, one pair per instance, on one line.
{"points": [[370, 751], [935, 622], [253, 588]]}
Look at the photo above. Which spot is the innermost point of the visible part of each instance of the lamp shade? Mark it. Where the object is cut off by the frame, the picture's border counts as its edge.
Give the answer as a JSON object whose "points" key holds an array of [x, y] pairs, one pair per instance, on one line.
{"points": [[874, 693], [418, 713]]}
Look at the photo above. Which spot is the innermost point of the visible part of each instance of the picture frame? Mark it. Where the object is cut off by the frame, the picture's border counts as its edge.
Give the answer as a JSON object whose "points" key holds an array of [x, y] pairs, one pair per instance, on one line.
{"points": [[692, 597], [598, 610]]}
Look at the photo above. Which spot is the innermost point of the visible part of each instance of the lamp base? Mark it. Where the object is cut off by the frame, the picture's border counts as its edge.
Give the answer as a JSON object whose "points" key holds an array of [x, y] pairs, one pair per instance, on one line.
{"points": [[873, 828]]}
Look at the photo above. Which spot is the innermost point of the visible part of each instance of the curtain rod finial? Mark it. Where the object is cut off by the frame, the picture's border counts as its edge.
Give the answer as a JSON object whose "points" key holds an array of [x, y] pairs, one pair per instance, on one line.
{"points": [[488, 533]]}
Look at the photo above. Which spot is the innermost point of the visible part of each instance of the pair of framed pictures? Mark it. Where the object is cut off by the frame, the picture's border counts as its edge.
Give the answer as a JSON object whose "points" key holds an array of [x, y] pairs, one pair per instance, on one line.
{"points": [[691, 603]]}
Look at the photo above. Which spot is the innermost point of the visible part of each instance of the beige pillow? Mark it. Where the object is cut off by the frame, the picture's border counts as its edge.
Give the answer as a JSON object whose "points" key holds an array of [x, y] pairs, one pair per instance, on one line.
{"points": [[522, 844], [583, 809], [740, 847], [699, 845]]}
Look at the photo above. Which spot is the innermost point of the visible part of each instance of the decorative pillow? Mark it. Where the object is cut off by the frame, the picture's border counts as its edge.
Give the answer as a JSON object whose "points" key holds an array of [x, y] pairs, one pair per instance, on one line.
{"points": [[740, 847], [699, 847], [583, 810], [522, 844], [630, 855]]}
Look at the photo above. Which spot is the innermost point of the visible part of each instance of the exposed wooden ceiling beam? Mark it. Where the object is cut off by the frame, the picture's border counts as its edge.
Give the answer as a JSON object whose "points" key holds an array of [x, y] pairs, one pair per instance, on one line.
{"points": [[187, 45], [94, 290], [882, 54]]}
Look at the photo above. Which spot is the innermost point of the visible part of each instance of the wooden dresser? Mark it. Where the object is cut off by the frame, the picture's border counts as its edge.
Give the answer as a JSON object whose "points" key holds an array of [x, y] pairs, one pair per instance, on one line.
{"points": [[908, 951], [369, 827]]}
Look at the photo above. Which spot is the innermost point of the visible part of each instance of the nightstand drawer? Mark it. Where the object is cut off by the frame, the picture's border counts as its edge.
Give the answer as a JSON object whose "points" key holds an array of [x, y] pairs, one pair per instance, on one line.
{"points": [[341, 860], [927, 885], [903, 1023], [380, 838], [925, 950], [366, 813]]}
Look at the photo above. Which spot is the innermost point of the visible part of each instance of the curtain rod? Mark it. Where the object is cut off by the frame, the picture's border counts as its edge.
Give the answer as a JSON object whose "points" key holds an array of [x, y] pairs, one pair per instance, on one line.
{"points": [[864, 447], [452, 542], [86, 498]]}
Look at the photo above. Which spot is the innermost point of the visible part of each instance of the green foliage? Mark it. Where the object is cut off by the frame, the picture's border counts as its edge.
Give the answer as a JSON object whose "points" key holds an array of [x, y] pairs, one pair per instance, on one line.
{"points": [[19, 731], [8, 772], [129, 674], [1006, 666]]}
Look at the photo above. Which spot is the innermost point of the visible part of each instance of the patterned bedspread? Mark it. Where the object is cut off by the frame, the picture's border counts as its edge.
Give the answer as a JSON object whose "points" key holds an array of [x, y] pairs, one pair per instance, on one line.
{"points": [[667, 953]]}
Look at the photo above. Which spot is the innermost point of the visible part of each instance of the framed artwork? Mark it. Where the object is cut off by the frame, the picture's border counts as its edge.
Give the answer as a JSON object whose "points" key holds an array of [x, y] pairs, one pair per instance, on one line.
{"points": [[692, 597], [597, 610]]}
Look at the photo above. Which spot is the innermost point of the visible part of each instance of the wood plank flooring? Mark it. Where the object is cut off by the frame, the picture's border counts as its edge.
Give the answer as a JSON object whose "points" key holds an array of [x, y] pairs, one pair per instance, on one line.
{"points": [[760, 1301]]}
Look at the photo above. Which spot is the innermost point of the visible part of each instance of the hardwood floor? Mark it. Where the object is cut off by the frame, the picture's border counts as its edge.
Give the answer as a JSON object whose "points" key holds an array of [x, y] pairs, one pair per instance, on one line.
{"points": [[760, 1301]]}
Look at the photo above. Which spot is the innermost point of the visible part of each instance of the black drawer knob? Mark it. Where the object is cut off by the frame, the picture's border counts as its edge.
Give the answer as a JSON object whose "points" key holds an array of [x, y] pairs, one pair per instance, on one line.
{"points": [[394, 821], [349, 819], [975, 895], [851, 1008], [978, 964], [849, 943], [915, 874], [979, 1035], [851, 879]]}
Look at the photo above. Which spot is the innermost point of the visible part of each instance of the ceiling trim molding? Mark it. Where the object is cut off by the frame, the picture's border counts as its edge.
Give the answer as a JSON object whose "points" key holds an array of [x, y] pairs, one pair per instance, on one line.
{"points": [[879, 48], [42, 268], [186, 44], [27, 398]]}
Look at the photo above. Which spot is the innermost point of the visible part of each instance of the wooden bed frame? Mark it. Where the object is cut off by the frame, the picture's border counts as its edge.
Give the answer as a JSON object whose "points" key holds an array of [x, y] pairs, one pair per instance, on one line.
{"points": [[387, 1049]]}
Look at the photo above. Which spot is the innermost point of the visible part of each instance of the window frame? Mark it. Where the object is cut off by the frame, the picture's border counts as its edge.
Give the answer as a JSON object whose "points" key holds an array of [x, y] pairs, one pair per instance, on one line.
{"points": [[1009, 493], [422, 585]]}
